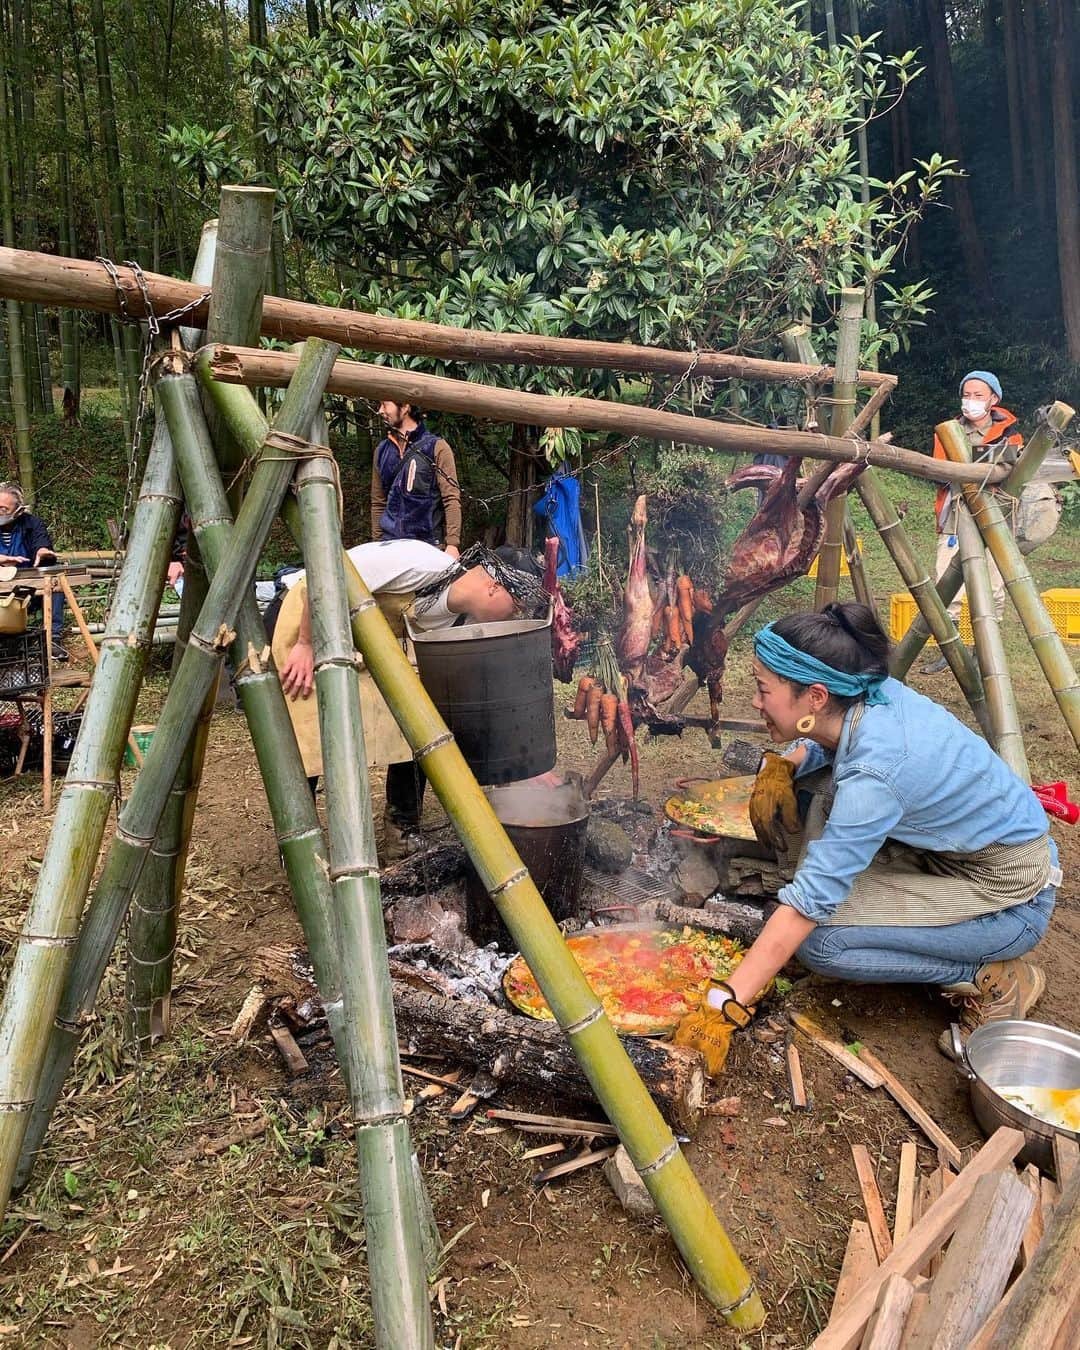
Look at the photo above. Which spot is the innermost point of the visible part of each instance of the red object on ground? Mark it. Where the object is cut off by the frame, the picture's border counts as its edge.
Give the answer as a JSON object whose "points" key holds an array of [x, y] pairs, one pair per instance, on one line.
{"points": [[1054, 799]]}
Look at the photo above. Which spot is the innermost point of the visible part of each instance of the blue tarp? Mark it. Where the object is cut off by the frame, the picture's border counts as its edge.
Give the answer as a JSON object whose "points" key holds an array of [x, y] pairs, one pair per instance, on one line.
{"points": [[560, 509]]}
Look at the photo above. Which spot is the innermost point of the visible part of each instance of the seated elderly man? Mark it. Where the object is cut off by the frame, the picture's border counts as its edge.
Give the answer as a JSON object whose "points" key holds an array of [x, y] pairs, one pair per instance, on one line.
{"points": [[25, 542], [439, 592]]}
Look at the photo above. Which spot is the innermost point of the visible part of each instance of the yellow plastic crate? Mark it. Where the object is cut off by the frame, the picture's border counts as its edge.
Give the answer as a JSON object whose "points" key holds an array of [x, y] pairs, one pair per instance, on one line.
{"points": [[903, 609], [845, 571], [1063, 606]]}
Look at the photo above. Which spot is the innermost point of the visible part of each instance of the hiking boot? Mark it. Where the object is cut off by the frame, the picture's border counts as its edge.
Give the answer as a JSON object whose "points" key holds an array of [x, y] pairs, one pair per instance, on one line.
{"points": [[1001, 990], [399, 842], [60, 655], [934, 666]]}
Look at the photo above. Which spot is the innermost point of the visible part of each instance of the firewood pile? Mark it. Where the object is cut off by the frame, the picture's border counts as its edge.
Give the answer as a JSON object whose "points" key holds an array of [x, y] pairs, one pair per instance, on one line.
{"points": [[985, 1258]]}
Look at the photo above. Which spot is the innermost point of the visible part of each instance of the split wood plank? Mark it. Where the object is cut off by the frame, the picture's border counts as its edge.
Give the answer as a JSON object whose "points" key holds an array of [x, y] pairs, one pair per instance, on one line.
{"points": [[465, 1105], [875, 1210], [432, 1090], [860, 1262], [1066, 1158], [1033, 1234], [288, 1049], [935, 1188], [934, 1228], [567, 1131], [444, 1081], [587, 1159], [907, 1103], [989, 1328], [914, 1317], [977, 1266], [854, 1065], [886, 1327], [1048, 1198], [905, 1191], [556, 1124], [544, 1151], [796, 1086]]}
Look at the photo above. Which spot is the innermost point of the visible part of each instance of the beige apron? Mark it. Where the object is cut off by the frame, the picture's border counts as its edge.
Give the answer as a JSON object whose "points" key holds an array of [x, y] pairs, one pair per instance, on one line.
{"points": [[382, 736], [906, 887]]}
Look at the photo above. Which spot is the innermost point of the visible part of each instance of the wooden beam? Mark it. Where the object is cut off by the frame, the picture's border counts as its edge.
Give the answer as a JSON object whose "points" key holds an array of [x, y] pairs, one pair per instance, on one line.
{"points": [[976, 1268], [76, 283], [258, 368], [934, 1229]]}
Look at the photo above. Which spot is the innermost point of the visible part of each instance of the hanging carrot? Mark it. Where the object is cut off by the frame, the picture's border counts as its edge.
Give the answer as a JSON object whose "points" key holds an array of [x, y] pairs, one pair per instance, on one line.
{"points": [[592, 711], [584, 685], [657, 619], [703, 601], [684, 594], [609, 705], [626, 727], [673, 620]]}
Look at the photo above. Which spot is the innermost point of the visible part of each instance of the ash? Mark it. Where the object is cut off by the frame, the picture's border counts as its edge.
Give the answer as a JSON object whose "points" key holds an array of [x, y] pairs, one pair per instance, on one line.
{"points": [[473, 973]]}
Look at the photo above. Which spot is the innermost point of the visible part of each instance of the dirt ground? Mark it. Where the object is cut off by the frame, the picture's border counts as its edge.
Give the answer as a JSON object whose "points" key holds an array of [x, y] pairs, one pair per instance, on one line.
{"points": [[132, 1234]]}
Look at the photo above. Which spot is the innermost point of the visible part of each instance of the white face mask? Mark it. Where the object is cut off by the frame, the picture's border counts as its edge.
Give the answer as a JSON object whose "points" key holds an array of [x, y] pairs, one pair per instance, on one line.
{"points": [[974, 409]]}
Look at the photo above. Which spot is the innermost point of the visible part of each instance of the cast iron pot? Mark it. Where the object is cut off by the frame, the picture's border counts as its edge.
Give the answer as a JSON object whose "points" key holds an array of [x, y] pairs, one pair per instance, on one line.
{"points": [[1018, 1054]]}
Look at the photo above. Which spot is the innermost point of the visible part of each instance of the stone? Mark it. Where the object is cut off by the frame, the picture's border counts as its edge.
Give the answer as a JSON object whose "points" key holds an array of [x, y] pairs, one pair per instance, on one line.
{"points": [[628, 1186], [607, 846], [415, 917]]}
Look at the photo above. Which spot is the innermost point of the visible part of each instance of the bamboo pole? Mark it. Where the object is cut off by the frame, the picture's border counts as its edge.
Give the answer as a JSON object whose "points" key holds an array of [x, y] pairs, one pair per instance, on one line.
{"points": [[74, 282], [1057, 418], [48, 934], [849, 324], [1047, 645], [141, 814], [704, 1245], [155, 908], [395, 1261], [354, 379], [1007, 738], [860, 583], [915, 576]]}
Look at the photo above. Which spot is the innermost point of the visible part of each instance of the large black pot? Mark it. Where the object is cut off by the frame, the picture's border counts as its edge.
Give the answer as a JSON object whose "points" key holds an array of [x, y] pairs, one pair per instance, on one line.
{"points": [[547, 825], [492, 684]]}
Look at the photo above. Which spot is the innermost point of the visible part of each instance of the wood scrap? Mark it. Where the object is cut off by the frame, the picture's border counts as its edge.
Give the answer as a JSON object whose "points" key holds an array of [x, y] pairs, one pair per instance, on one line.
{"points": [[554, 1124], [860, 1262], [1033, 1234], [935, 1188], [1066, 1158], [289, 1051], [1044, 1313], [936, 1226], [208, 1148], [907, 1103], [875, 1210], [796, 1086], [1048, 1198], [905, 1191], [726, 1106], [886, 1326], [252, 1008], [589, 1158], [544, 1151], [914, 1316], [976, 1267], [854, 1065], [465, 1105], [432, 1090], [988, 1330], [442, 1081]]}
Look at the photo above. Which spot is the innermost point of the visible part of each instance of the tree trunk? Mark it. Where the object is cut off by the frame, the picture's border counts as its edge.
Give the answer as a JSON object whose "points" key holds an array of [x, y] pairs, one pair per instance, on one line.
{"points": [[898, 39], [7, 413], [1011, 35], [1031, 84], [1066, 187], [967, 227], [69, 319], [311, 10], [522, 480], [15, 345]]}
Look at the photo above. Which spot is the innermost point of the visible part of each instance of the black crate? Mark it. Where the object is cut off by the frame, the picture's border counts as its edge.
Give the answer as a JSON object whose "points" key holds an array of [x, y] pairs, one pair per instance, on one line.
{"points": [[23, 667]]}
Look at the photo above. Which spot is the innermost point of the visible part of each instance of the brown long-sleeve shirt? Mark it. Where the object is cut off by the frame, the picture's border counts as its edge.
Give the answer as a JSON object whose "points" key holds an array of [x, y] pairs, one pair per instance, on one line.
{"points": [[446, 474]]}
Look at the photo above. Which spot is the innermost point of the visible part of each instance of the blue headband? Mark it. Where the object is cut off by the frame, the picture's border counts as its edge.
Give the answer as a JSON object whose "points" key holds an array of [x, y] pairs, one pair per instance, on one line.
{"points": [[781, 657]]}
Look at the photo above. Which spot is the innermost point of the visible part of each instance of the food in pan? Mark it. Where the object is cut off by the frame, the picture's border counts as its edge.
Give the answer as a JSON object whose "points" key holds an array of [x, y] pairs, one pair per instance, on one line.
{"points": [[646, 979], [1057, 1106]]}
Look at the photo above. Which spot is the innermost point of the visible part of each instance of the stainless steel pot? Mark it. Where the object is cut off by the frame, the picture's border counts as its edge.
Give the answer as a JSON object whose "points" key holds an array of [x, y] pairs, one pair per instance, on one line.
{"points": [[1014, 1054]]}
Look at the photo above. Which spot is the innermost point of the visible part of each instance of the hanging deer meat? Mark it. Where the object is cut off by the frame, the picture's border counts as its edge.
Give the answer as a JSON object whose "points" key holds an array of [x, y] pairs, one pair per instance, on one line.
{"points": [[565, 640], [636, 632]]}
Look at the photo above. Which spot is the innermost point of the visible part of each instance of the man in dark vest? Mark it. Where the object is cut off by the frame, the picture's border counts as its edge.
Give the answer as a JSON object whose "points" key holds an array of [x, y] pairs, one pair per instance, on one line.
{"points": [[414, 486]]}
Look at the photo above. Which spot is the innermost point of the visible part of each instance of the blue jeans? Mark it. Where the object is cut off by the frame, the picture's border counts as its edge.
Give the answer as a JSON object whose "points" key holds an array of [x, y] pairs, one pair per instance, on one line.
{"points": [[949, 954]]}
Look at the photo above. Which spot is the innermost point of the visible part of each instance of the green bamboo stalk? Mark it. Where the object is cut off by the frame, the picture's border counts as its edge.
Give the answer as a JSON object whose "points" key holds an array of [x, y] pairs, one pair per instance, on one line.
{"points": [[20, 392], [906, 652], [141, 814], [1045, 642], [860, 583], [925, 594], [844, 387], [395, 1259], [48, 935], [231, 260], [7, 412], [1007, 738], [701, 1239]]}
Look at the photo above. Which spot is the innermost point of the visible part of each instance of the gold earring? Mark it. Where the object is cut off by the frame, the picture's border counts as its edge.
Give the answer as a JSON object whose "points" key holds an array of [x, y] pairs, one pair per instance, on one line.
{"points": [[805, 725]]}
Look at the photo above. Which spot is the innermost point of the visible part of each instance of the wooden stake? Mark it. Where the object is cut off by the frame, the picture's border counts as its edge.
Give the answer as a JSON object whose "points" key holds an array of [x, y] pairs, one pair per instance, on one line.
{"points": [[875, 1210]]}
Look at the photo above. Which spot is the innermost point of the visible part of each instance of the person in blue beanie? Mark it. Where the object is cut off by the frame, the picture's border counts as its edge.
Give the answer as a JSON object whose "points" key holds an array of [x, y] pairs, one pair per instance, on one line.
{"points": [[915, 854], [995, 439]]}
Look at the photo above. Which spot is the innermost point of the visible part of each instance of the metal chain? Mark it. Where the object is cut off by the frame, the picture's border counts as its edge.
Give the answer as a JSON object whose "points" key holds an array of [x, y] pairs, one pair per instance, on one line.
{"points": [[151, 326]]}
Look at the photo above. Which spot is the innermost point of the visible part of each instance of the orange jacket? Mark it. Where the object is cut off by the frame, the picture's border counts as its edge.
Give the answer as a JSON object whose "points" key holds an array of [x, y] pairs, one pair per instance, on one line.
{"points": [[1002, 430]]}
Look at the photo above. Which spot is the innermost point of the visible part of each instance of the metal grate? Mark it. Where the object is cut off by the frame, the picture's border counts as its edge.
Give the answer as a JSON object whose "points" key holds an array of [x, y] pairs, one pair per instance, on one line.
{"points": [[632, 887]]}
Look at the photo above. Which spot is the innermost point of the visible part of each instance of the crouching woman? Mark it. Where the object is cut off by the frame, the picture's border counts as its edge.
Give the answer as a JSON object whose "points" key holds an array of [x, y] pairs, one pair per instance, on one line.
{"points": [[918, 856]]}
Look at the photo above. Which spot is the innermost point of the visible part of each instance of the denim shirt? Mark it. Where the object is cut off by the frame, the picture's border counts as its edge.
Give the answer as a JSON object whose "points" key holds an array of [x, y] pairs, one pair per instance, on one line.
{"points": [[909, 771]]}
